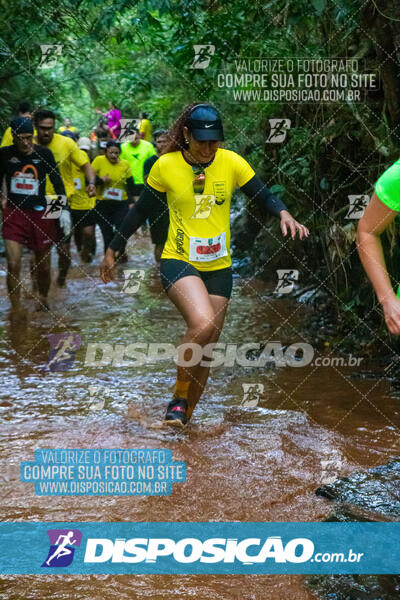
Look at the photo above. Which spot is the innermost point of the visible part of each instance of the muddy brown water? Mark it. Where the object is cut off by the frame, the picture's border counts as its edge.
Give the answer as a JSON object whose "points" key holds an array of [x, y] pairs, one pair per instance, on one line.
{"points": [[244, 464]]}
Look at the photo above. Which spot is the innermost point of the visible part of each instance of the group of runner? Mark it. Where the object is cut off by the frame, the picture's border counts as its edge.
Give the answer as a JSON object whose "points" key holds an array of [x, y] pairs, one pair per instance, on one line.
{"points": [[183, 186], [51, 191]]}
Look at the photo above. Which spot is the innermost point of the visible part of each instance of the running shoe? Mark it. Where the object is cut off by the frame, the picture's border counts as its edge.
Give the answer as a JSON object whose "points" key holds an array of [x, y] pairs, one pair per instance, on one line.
{"points": [[176, 413]]}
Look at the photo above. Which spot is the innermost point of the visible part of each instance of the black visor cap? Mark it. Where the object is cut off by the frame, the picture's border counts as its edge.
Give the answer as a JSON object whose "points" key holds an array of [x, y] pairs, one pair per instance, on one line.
{"points": [[205, 124]]}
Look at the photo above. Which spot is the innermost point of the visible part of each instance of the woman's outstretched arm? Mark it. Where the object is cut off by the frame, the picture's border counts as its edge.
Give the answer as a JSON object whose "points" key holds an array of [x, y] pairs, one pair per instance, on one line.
{"points": [[257, 191], [376, 218]]}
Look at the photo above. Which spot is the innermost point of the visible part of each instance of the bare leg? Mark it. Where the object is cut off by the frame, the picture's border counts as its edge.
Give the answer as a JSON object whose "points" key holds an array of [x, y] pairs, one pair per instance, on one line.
{"points": [[32, 269], [14, 255], [64, 261], [204, 316], [43, 275], [200, 374], [87, 240]]}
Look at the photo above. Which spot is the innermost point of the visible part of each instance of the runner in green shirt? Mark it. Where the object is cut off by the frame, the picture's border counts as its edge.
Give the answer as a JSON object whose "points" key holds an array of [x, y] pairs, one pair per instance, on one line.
{"points": [[381, 211], [136, 151]]}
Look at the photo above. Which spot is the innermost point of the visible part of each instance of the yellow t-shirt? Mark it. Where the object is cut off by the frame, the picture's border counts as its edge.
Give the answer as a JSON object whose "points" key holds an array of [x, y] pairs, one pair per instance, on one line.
{"points": [[8, 138], [199, 231], [79, 199], [145, 128], [119, 173], [63, 128], [67, 154]]}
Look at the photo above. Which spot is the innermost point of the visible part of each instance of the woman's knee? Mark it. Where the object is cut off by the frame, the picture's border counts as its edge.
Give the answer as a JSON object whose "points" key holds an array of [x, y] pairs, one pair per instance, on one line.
{"points": [[203, 329]]}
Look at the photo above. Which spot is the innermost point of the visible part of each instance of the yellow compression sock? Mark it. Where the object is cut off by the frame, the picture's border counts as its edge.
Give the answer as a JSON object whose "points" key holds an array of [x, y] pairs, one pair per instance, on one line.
{"points": [[181, 389]]}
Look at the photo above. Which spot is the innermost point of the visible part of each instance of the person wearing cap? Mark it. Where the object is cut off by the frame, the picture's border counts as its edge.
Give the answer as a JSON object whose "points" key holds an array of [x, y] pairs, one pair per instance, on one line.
{"points": [[158, 220], [136, 151], [82, 210], [67, 154], [23, 110], [27, 217], [115, 188], [197, 178]]}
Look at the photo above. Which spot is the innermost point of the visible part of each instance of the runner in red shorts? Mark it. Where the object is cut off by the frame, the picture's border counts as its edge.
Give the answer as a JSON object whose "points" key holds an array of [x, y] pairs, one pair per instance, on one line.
{"points": [[28, 219]]}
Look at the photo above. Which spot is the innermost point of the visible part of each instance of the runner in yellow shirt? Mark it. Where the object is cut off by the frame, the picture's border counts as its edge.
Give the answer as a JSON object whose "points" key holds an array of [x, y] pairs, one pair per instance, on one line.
{"points": [[145, 128], [67, 154], [197, 179], [115, 189], [82, 210], [67, 127]]}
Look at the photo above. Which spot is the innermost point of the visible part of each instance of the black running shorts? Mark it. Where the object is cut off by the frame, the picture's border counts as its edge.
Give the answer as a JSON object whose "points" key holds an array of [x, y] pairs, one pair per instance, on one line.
{"points": [[218, 283]]}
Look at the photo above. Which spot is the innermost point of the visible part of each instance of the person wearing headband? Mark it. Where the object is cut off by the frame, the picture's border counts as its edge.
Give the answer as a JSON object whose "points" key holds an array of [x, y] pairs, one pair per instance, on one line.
{"points": [[28, 217], [195, 178], [23, 110]]}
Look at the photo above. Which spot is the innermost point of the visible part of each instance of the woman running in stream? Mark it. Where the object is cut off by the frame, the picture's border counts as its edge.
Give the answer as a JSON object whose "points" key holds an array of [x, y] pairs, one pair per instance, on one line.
{"points": [[194, 179]]}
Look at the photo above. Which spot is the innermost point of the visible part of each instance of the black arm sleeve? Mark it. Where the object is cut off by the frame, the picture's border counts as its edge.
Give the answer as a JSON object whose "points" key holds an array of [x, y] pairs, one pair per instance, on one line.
{"points": [[130, 188], [257, 191], [54, 173], [149, 201]]}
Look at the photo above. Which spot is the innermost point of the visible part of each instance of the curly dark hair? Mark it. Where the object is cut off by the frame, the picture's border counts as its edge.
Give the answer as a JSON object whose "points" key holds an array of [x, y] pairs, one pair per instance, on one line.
{"points": [[176, 139]]}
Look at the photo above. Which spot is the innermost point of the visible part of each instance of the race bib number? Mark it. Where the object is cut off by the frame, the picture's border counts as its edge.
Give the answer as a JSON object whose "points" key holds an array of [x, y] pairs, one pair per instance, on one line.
{"points": [[206, 249], [24, 185], [77, 183], [112, 194]]}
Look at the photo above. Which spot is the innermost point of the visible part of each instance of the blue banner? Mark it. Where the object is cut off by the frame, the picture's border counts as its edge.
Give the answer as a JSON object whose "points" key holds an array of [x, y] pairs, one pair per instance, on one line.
{"points": [[200, 548]]}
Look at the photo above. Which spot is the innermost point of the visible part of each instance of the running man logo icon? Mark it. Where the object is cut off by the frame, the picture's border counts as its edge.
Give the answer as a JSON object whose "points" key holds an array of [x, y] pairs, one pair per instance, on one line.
{"points": [[126, 126], [278, 130], [62, 547], [203, 206], [50, 54], [330, 469], [55, 204], [286, 279], [132, 281], [252, 393], [357, 206], [98, 395], [202, 55], [62, 350]]}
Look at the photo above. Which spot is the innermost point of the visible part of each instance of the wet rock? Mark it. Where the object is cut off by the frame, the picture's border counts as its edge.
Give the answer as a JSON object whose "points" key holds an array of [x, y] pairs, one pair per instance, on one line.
{"points": [[377, 490], [370, 496], [355, 587]]}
